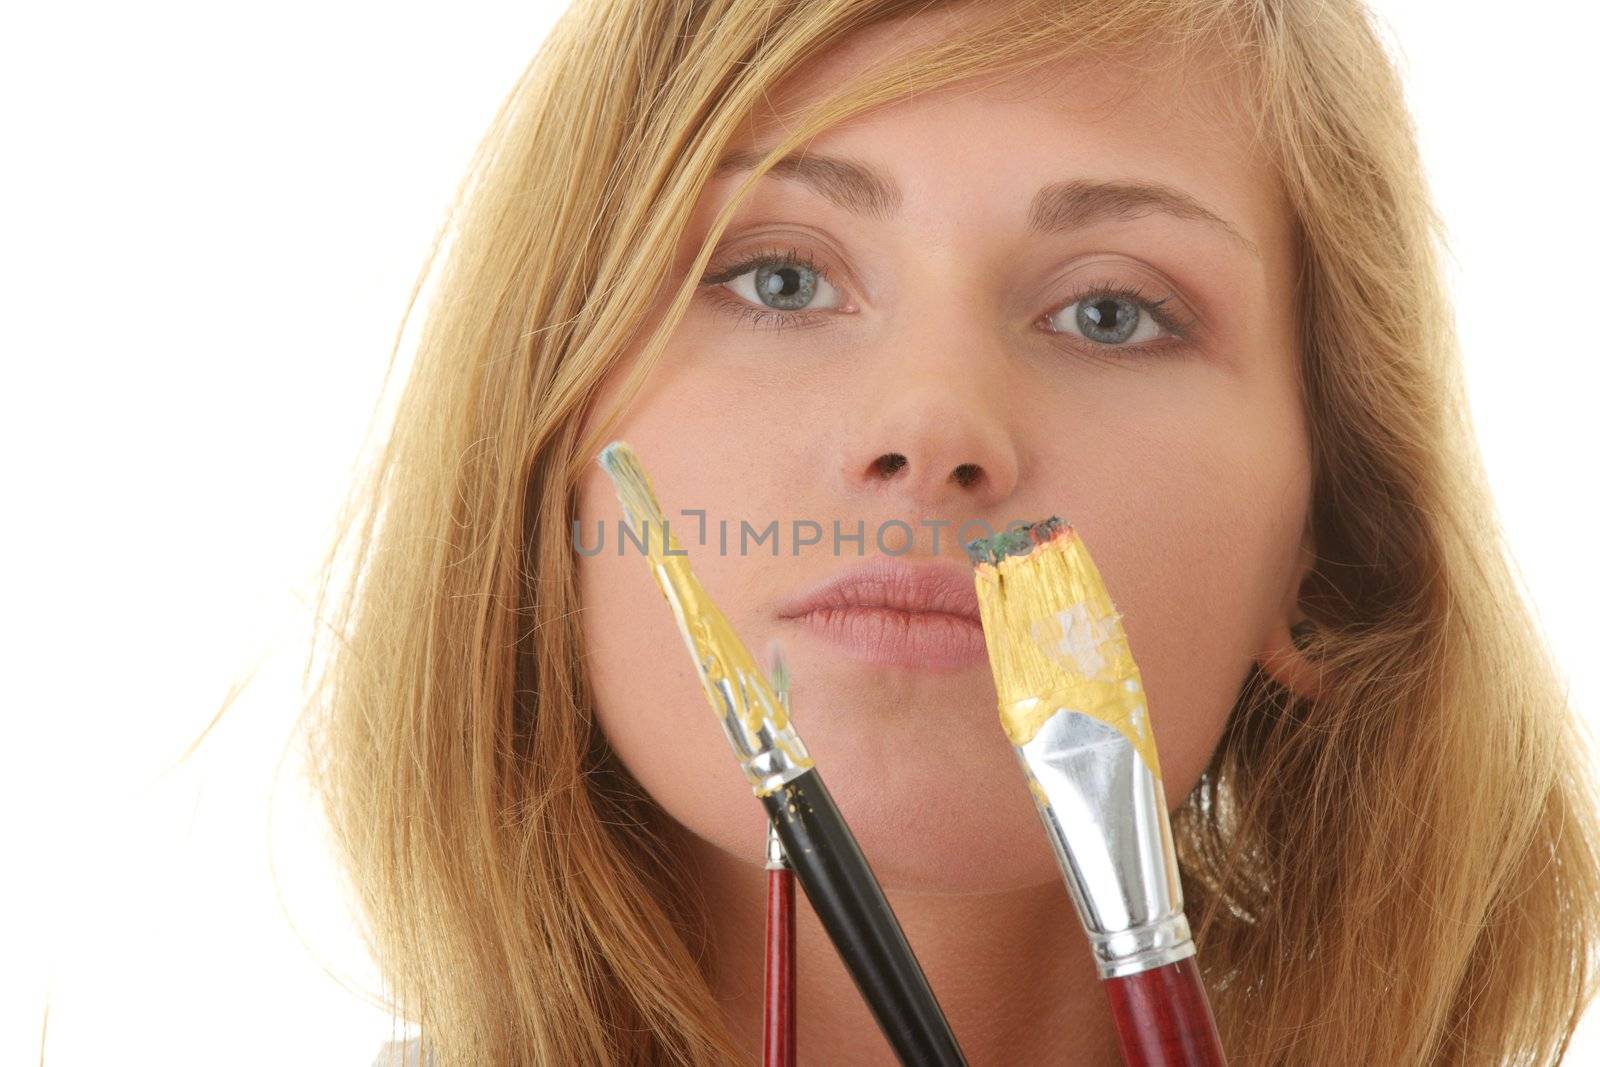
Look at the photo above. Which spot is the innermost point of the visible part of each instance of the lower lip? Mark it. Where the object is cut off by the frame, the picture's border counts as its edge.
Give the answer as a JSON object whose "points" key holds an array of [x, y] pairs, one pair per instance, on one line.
{"points": [[928, 640]]}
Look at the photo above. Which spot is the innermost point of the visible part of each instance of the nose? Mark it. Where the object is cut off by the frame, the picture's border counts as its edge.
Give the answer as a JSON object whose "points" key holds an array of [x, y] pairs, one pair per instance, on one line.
{"points": [[934, 437]]}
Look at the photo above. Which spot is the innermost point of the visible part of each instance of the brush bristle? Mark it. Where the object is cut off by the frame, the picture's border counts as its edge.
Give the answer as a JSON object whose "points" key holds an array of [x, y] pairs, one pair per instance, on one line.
{"points": [[1015, 540], [1028, 593], [1055, 639], [632, 486]]}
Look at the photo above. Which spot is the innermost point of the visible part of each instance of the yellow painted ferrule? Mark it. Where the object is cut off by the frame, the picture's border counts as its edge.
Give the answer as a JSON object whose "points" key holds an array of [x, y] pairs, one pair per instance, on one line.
{"points": [[753, 716], [1056, 642]]}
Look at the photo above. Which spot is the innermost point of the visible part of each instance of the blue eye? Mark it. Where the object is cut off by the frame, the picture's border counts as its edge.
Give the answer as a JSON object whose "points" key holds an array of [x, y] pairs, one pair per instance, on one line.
{"points": [[783, 289], [1112, 315], [774, 285]]}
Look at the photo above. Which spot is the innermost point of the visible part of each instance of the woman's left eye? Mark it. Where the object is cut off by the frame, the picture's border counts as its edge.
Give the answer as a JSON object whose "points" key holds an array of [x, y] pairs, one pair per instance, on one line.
{"points": [[775, 285], [1118, 316]]}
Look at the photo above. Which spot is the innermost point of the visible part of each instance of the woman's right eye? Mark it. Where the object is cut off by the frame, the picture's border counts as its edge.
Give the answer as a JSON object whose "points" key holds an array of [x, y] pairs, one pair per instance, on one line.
{"points": [[781, 285]]}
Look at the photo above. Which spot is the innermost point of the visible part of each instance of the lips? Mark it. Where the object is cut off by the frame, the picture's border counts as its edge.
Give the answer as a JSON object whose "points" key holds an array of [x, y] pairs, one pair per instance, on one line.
{"points": [[898, 613]]}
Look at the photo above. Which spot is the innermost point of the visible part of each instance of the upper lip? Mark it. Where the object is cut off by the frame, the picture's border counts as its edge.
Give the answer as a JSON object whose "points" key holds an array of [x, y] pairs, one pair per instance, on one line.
{"points": [[889, 583]]}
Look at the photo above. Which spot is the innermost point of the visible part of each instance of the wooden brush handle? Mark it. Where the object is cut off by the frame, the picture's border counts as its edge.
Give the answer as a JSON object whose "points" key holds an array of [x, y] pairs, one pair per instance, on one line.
{"points": [[1163, 1018], [778, 1027]]}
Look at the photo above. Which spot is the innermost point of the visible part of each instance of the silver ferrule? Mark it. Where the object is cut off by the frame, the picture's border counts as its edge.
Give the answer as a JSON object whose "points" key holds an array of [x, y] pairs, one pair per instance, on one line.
{"points": [[1106, 817], [772, 755], [776, 860], [754, 718]]}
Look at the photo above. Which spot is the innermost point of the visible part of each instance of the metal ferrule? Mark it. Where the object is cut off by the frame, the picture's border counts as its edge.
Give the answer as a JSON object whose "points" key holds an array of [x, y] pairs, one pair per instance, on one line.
{"points": [[776, 860], [771, 754], [754, 719], [1107, 821]]}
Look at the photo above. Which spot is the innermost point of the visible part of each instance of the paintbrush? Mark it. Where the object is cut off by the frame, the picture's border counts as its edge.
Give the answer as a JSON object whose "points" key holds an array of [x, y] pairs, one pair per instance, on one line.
{"points": [[778, 989], [824, 854], [1073, 706], [778, 992]]}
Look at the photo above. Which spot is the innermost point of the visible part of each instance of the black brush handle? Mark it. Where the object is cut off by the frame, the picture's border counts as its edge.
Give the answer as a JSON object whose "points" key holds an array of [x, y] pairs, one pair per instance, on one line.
{"points": [[846, 897]]}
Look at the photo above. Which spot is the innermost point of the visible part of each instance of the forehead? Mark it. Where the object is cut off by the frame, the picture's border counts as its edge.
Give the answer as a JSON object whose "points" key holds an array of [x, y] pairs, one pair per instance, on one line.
{"points": [[1149, 115]]}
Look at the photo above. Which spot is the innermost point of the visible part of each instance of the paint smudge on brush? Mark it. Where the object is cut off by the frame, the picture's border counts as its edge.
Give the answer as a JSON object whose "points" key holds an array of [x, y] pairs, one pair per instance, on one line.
{"points": [[1076, 636]]}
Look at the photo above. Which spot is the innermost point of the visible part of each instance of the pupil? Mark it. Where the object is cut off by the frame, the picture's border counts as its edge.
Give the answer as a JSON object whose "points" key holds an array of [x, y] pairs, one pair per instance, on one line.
{"points": [[787, 288], [782, 283], [1111, 320]]}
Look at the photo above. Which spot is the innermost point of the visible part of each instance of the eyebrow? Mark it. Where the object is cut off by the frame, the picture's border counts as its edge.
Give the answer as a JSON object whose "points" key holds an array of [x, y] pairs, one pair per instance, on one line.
{"points": [[1057, 208]]}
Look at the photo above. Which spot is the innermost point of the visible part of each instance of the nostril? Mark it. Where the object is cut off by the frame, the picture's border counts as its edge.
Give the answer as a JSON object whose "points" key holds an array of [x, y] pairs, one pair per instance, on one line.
{"points": [[889, 463], [967, 474]]}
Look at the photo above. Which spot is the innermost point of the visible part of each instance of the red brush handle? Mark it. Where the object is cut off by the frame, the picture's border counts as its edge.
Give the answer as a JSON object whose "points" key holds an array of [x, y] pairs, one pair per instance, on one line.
{"points": [[1163, 1018], [778, 1022]]}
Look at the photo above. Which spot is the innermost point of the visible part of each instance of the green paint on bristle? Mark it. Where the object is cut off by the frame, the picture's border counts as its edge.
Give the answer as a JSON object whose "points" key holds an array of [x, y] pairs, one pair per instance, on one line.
{"points": [[633, 489], [1012, 541]]}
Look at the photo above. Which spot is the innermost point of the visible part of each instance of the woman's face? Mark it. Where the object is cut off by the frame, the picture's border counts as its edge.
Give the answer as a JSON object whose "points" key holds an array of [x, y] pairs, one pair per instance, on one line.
{"points": [[1070, 294]]}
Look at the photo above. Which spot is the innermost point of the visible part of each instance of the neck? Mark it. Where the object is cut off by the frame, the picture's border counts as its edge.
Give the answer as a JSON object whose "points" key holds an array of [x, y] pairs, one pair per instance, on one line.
{"points": [[1012, 970]]}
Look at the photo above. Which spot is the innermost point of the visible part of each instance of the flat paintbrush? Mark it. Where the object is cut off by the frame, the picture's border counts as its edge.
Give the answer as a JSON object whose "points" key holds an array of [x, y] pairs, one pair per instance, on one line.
{"points": [[825, 857], [1073, 706]]}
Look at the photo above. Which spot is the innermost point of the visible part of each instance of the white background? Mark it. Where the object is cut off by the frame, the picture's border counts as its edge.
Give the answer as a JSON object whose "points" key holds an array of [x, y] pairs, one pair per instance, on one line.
{"points": [[212, 217]]}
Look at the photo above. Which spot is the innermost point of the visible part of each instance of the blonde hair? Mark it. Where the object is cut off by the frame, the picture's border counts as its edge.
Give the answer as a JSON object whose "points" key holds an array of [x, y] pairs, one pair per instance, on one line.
{"points": [[1402, 871]]}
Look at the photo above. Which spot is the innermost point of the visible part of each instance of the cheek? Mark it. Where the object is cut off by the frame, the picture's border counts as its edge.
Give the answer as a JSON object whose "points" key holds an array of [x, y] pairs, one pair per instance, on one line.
{"points": [[1199, 549], [648, 699], [649, 703]]}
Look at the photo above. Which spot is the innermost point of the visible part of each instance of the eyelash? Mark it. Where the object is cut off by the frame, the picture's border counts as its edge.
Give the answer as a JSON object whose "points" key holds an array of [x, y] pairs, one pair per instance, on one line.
{"points": [[748, 312], [775, 319]]}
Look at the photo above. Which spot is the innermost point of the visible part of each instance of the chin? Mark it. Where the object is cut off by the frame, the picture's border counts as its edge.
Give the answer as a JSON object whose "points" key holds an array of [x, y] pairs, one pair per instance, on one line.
{"points": [[934, 810]]}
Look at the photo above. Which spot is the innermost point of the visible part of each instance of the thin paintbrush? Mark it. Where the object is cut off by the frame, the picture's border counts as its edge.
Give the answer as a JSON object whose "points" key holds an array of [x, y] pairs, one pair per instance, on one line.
{"points": [[1073, 705], [778, 1016], [825, 856]]}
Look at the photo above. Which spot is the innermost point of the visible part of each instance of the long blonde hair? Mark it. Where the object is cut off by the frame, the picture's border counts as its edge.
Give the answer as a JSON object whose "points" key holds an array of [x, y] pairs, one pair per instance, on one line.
{"points": [[1401, 871]]}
